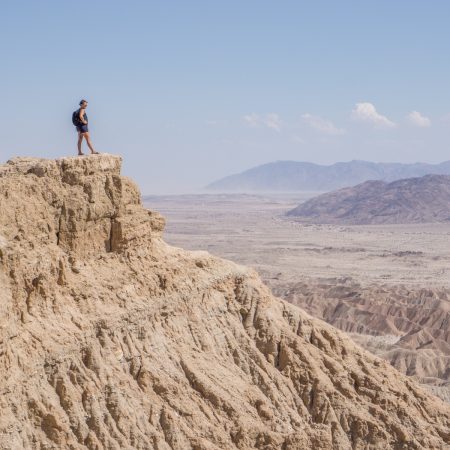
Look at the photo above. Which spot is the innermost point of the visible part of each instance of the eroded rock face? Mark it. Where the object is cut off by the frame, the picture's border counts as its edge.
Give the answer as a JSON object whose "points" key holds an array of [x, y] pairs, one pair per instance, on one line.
{"points": [[82, 205], [111, 339], [405, 325]]}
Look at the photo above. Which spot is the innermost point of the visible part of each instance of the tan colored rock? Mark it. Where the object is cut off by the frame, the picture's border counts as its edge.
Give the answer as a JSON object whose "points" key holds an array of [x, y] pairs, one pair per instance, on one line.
{"points": [[406, 325], [111, 339]]}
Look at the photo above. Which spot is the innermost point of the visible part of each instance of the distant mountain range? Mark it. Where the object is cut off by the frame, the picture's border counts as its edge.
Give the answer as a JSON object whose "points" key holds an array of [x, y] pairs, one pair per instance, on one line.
{"points": [[304, 176], [411, 200]]}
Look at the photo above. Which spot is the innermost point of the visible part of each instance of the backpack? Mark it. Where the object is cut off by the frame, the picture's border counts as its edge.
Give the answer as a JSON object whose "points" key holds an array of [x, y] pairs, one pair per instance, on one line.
{"points": [[76, 118]]}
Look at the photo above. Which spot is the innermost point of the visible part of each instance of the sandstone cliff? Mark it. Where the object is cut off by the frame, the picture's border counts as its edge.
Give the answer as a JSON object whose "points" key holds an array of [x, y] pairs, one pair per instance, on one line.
{"points": [[111, 339]]}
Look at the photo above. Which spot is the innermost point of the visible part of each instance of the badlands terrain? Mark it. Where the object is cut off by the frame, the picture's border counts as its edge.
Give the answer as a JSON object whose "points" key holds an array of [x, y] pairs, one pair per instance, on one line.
{"points": [[110, 338], [387, 286]]}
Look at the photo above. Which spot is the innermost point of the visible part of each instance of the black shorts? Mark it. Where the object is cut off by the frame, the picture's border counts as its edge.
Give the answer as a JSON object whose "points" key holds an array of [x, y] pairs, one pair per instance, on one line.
{"points": [[82, 129]]}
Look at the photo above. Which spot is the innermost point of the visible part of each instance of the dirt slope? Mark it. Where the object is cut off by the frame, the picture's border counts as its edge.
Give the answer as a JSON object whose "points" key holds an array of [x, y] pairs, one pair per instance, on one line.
{"points": [[404, 325], [111, 339]]}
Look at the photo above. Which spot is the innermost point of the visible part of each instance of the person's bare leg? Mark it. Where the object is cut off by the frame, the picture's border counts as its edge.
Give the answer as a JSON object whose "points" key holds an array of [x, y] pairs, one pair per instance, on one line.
{"points": [[80, 140], [89, 143]]}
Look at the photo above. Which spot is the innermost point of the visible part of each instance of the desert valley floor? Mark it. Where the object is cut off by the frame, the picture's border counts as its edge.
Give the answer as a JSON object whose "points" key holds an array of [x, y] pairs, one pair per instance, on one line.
{"points": [[388, 286]]}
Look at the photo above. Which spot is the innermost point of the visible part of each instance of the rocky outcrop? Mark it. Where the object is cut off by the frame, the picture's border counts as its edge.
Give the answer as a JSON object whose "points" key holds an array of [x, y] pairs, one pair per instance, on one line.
{"points": [[411, 200], [111, 339]]}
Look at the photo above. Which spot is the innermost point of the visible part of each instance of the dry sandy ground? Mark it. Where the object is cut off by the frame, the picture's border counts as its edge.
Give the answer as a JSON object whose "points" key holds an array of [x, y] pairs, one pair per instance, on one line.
{"points": [[387, 285], [251, 229]]}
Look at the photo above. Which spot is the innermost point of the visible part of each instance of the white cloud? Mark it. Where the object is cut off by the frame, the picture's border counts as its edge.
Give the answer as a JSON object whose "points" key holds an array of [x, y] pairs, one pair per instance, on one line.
{"points": [[252, 119], [214, 123], [366, 112], [322, 125], [270, 120], [298, 140], [416, 119], [273, 121]]}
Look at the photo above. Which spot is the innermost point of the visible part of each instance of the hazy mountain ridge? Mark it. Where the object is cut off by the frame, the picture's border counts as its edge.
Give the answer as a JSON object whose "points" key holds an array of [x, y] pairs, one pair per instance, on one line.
{"points": [[411, 200], [112, 339], [305, 176]]}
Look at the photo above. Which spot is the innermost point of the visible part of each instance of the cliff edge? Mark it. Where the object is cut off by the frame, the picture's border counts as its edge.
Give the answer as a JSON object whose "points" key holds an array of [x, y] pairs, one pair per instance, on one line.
{"points": [[112, 339]]}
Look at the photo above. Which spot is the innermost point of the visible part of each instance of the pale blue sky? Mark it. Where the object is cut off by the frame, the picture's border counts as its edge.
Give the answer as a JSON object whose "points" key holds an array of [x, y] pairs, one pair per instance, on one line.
{"points": [[190, 91]]}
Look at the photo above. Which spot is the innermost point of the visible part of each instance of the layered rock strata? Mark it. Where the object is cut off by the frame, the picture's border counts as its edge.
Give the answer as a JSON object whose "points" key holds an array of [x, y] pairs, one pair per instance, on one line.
{"points": [[112, 339]]}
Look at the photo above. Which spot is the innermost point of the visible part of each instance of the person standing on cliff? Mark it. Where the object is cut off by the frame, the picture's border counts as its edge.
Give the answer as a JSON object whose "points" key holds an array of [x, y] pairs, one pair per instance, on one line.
{"points": [[80, 120]]}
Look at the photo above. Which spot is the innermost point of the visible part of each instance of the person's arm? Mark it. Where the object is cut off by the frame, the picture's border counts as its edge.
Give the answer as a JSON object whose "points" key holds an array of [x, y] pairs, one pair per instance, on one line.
{"points": [[82, 117]]}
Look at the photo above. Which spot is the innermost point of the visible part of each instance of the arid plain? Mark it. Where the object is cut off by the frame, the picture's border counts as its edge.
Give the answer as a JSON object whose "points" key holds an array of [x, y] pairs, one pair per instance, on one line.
{"points": [[388, 286]]}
